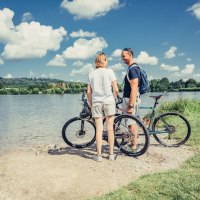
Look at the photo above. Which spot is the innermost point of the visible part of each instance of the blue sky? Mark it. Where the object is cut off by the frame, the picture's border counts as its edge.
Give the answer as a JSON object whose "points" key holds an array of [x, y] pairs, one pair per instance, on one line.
{"points": [[60, 39]]}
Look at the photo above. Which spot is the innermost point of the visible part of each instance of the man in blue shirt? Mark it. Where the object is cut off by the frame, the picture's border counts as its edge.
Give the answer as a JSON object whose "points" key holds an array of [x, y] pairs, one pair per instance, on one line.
{"points": [[131, 97]]}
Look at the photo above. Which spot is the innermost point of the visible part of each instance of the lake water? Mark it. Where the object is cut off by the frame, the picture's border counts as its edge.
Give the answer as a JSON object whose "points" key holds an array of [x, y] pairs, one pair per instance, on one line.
{"points": [[27, 120]]}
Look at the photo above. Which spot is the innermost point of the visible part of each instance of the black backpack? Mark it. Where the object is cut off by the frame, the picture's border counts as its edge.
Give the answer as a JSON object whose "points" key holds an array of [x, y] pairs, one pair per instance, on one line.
{"points": [[143, 80]]}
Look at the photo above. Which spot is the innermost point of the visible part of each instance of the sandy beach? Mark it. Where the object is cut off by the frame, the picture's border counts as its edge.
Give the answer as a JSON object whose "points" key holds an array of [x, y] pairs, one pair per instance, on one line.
{"points": [[60, 172]]}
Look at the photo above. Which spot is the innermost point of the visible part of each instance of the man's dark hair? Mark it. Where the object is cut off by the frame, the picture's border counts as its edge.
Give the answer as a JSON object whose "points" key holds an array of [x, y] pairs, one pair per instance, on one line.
{"points": [[129, 50]]}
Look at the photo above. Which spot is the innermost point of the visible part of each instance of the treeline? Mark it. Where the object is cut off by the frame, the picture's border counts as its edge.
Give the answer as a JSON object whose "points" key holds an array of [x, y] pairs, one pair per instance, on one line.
{"points": [[163, 85], [15, 86]]}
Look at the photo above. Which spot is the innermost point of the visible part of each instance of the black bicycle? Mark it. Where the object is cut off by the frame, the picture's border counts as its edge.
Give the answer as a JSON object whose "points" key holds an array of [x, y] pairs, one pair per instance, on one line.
{"points": [[80, 132]]}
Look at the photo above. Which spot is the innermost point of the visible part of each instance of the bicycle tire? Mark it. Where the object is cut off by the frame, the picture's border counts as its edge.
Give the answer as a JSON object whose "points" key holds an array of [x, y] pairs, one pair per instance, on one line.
{"points": [[176, 129], [79, 138], [121, 127]]}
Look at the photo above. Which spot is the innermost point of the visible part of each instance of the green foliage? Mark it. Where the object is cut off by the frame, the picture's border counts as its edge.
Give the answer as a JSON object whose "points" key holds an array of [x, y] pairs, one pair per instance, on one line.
{"points": [[184, 106], [35, 91], [59, 91], [164, 85], [39, 86]]}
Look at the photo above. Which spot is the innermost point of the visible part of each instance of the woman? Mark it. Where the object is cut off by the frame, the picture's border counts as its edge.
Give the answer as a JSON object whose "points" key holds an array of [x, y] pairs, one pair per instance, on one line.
{"points": [[102, 102]]}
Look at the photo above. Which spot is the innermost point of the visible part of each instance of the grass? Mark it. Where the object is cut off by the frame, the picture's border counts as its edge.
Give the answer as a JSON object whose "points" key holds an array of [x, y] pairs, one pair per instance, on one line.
{"points": [[183, 183]]}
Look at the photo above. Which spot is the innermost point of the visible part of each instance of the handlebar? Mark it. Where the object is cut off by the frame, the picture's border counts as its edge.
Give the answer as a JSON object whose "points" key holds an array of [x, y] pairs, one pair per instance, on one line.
{"points": [[119, 100]]}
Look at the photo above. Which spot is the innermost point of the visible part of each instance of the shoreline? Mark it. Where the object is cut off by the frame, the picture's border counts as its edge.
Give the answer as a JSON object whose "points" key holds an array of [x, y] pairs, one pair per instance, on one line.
{"points": [[57, 172]]}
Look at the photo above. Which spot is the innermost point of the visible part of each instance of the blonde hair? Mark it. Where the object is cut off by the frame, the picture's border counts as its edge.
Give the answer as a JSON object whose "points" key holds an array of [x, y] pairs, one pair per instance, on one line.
{"points": [[100, 60]]}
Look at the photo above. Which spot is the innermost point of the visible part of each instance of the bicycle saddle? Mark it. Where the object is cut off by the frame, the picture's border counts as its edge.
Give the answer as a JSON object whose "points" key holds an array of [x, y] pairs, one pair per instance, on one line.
{"points": [[156, 97]]}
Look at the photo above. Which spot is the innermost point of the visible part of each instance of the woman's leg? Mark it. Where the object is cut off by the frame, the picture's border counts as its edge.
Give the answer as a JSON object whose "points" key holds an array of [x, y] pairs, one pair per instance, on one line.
{"points": [[99, 131], [109, 127]]}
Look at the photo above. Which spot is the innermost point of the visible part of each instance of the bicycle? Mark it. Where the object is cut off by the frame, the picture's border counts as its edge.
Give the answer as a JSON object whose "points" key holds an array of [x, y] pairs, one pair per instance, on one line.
{"points": [[80, 131], [170, 129]]}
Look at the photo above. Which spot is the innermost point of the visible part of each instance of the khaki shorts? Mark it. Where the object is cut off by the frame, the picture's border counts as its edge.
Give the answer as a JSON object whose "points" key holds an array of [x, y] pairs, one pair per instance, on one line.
{"points": [[101, 109], [134, 109]]}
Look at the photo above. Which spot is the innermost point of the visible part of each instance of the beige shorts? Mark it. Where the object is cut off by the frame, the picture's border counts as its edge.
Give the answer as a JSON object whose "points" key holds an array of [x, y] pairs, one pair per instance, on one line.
{"points": [[134, 109], [101, 109]]}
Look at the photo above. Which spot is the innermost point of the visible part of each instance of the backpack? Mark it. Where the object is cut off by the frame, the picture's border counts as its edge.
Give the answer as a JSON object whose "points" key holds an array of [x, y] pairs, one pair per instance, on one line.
{"points": [[143, 81]]}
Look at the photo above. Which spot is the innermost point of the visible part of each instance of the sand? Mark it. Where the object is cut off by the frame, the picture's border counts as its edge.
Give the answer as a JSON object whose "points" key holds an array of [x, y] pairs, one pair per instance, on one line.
{"points": [[59, 172]]}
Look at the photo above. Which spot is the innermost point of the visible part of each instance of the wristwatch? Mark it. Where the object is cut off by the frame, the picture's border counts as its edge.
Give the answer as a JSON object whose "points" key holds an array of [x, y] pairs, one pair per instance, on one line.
{"points": [[129, 106]]}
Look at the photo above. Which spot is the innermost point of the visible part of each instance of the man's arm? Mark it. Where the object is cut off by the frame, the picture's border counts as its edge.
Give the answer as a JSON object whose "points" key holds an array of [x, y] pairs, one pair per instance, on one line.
{"points": [[89, 95], [134, 93]]}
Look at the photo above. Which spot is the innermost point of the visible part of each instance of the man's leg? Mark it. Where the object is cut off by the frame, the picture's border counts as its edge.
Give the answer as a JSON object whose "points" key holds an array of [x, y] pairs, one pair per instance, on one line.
{"points": [[134, 130]]}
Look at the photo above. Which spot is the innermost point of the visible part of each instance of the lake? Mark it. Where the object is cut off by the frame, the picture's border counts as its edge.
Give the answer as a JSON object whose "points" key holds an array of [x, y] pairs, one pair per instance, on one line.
{"points": [[27, 120]]}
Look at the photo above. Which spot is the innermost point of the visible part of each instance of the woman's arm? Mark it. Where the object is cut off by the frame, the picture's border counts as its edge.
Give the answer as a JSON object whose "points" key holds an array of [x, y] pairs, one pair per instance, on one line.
{"points": [[89, 95], [115, 88]]}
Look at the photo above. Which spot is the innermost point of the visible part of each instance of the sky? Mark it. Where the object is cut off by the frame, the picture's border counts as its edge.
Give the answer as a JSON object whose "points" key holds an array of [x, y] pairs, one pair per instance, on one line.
{"points": [[61, 38]]}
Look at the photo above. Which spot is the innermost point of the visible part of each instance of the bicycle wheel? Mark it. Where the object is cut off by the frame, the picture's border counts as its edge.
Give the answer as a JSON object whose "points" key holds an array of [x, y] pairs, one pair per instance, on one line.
{"points": [[79, 133], [126, 126], [171, 129]]}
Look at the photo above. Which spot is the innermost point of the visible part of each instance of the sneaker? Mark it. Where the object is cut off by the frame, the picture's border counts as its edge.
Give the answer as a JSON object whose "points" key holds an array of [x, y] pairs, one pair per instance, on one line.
{"points": [[112, 157], [97, 158], [133, 147]]}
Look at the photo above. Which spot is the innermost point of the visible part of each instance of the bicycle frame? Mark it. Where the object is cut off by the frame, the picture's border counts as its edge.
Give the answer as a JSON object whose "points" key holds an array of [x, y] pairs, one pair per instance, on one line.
{"points": [[152, 115]]}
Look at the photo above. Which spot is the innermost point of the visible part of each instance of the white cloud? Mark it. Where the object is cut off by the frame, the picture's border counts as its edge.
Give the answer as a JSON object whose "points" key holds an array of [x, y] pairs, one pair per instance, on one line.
{"points": [[117, 53], [189, 68], [144, 58], [77, 63], [27, 17], [189, 59], [27, 40], [86, 69], [1, 62], [176, 74], [181, 54], [171, 52], [195, 9], [197, 76], [123, 74], [51, 75], [116, 67], [169, 68], [6, 24], [44, 76], [8, 76], [83, 49], [82, 33], [150, 78], [89, 9], [58, 61]]}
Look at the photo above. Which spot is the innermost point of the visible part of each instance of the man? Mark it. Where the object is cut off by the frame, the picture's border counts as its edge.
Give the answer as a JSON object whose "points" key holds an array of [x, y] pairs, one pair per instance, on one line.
{"points": [[130, 93]]}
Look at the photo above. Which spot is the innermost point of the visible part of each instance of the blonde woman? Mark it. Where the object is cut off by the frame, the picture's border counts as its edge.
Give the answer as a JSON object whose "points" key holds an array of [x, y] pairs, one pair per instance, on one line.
{"points": [[102, 82]]}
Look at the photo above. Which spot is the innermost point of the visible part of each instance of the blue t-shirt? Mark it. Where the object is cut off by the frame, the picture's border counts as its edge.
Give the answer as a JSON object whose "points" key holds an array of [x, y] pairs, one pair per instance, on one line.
{"points": [[133, 73]]}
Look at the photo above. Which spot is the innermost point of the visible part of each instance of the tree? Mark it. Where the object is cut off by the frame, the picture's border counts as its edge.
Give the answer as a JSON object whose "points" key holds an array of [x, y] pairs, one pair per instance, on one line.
{"points": [[190, 83], [164, 82]]}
